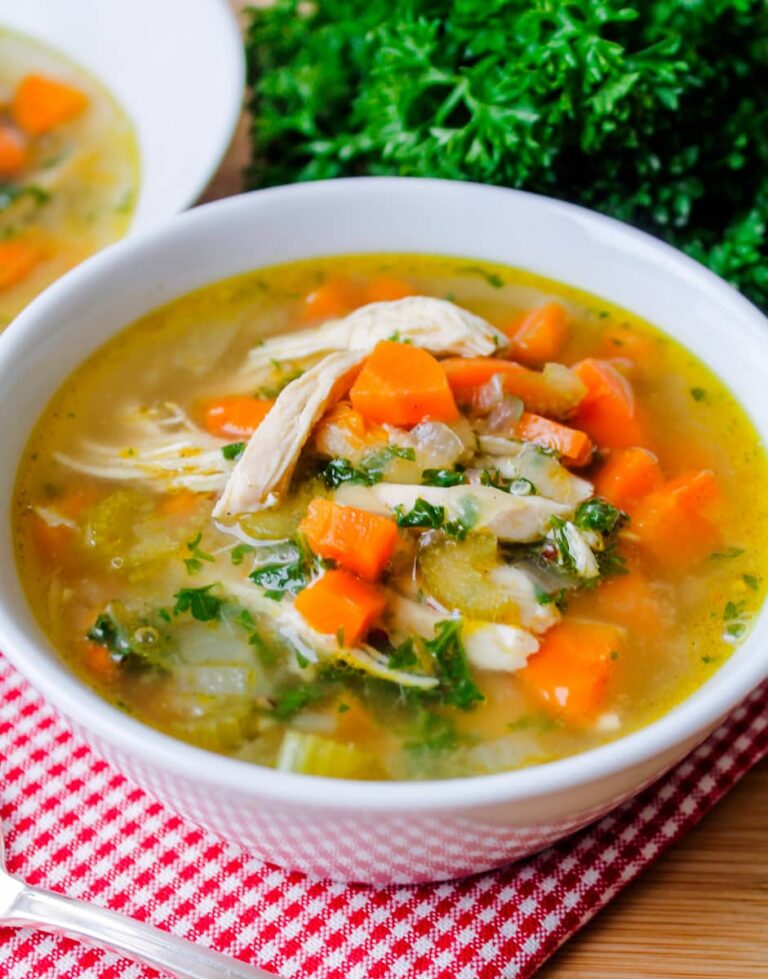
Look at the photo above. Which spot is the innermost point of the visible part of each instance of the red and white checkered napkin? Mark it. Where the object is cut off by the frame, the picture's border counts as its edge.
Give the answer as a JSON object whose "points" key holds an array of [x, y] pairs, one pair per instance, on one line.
{"points": [[75, 825]]}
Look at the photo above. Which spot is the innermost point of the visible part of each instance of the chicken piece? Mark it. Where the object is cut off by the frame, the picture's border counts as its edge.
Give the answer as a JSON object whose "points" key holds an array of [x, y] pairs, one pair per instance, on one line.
{"points": [[316, 646], [516, 460], [522, 590], [494, 646], [489, 645], [162, 449], [437, 325], [265, 468], [510, 518]]}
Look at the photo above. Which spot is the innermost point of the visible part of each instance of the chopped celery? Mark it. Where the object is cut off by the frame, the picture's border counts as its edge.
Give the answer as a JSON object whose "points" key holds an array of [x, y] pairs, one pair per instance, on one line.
{"points": [[311, 754]]}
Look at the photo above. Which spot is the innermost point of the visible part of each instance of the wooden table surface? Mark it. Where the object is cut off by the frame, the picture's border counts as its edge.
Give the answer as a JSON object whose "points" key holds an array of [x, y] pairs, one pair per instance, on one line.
{"points": [[701, 911]]}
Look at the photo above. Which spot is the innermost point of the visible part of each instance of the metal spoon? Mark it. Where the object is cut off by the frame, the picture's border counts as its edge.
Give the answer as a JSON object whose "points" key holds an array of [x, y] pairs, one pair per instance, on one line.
{"points": [[24, 906]]}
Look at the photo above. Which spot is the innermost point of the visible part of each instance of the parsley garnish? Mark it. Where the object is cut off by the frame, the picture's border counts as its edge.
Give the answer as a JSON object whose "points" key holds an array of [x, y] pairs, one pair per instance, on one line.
{"points": [[421, 514], [443, 477], [402, 656], [649, 112], [194, 564], [597, 514], [239, 551], [233, 451], [371, 470], [698, 394], [456, 683], [291, 701], [10, 193], [290, 570], [202, 605]]}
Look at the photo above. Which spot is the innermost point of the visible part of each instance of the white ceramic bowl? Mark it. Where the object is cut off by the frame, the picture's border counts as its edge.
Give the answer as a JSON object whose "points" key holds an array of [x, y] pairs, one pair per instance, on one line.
{"points": [[379, 832], [175, 66]]}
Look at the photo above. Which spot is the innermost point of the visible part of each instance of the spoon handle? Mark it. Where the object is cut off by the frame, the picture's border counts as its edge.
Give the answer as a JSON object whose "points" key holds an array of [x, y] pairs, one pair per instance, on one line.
{"points": [[63, 915]]}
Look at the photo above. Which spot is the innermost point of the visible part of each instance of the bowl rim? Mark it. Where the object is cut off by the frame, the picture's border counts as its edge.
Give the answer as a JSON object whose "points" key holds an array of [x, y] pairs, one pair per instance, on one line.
{"points": [[222, 18], [686, 723]]}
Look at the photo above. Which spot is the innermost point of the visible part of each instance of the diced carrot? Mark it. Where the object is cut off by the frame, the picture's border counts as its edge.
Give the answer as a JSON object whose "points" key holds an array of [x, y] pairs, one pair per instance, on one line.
{"points": [[539, 335], [40, 104], [629, 600], [100, 662], [13, 151], [608, 413], [17, 259], [672, 524], [386, 288], [400, 385], [335, 297], [573, 446], [341, 604], [52, 543], [546, 394], [182, 503], [359, 541], [235, 416], [573, 667], [627, 476]]}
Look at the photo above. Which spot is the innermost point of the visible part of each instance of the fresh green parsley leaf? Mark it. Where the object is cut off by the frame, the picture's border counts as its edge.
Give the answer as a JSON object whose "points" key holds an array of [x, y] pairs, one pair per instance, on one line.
{"points": [[731, 552], [456, 684], [233, 451], [194, 563], [402, 656], [202, 605], [698, 394], [597, 514], [239, 551], [292, 701], [290, 569], [751, 581], [421, 514], [10, 193], [443, 477]]}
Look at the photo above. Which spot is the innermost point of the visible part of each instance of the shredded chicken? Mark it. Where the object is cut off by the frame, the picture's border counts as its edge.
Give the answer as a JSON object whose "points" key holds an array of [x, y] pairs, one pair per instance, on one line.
{"points": [[510, 518], [315, 645], [264, 470], [437, 325], [495, 646], [516, 460], [164, 449], [522, 590]]}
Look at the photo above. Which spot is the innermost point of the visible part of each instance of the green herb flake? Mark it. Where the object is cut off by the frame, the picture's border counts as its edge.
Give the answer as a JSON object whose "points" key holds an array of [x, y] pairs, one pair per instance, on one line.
{"points": [[233, 451], [698, 394], [238, 553], [599, 515], [751, 581], [194, 563], [456, 683], [289, 572], [199, 602], [421, 514], [443, 477]]}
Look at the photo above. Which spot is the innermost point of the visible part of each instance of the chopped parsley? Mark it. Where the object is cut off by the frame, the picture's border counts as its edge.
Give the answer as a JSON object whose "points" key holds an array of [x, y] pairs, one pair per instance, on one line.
{"points": [[132, 641], [239, 551], [731, 552], [290, 570], [199, 602], [456, 684], [516, 485], [290, 702], [372, 468], [233, 451], [402, 656], [443, 477], [698, 394], [10, 193], [194, 563], [432, 516], [751, 581], [597, 514]]}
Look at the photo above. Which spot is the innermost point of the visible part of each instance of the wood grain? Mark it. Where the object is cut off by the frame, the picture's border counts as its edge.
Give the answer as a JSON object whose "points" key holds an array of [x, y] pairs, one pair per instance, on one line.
{"points": [[701, 911]]}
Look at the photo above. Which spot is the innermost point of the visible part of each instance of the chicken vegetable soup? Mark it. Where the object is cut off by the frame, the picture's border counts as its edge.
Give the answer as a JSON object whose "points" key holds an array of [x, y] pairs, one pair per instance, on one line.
{"points": [[393, 517], [68, 169]]}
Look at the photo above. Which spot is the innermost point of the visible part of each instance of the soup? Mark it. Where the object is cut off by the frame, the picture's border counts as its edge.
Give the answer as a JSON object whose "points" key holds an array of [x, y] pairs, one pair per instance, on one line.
{"points": [[69, 171], [393, 517]]}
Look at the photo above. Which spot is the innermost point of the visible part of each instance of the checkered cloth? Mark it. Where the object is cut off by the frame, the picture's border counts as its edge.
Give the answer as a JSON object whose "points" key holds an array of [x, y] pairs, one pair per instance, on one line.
{"points": [[73, 824]]}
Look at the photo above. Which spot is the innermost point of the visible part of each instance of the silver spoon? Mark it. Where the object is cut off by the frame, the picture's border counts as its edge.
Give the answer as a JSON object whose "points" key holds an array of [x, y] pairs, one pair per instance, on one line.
{"points": [[24, 906]]}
